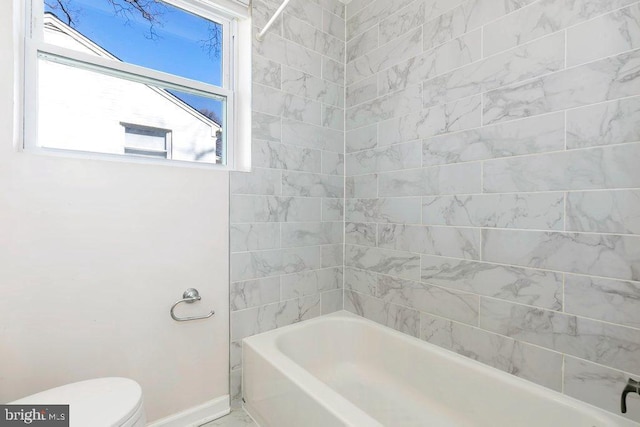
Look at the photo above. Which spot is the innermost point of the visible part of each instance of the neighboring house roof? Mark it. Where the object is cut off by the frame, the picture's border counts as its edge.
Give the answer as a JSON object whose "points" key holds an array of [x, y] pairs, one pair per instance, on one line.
{"points": [[53, 23]]}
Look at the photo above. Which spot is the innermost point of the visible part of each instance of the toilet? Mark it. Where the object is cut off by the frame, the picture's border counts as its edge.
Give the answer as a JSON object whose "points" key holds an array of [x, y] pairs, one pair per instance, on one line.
{"points": [[101, 402]]}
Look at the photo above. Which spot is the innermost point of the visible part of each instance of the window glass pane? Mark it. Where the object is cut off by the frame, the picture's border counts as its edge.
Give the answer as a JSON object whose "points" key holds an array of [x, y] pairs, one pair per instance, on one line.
{"points": [[145, 138], [87, 110], [149, 33]]}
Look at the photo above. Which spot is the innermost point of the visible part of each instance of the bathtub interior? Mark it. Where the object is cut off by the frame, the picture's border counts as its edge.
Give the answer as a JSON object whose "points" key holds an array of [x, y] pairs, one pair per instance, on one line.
{"points": [[400, 380]]}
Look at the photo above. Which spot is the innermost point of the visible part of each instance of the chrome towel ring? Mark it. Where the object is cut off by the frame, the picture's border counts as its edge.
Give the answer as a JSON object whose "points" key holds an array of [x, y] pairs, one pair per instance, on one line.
{"points": [[189, 296]]}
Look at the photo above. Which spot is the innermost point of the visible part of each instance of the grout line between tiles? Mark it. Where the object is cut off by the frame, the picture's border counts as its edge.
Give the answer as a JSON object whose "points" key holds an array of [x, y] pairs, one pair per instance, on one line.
{"points": [[495, 159], [564, 292], [503, 301], [498, 19], [565, 219], [565, 130], [523, 267], [522, 81]]}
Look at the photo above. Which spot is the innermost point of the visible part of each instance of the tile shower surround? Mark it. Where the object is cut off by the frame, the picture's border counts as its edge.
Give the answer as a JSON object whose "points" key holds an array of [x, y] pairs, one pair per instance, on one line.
{"points": [[287, 215], [491, 192]]}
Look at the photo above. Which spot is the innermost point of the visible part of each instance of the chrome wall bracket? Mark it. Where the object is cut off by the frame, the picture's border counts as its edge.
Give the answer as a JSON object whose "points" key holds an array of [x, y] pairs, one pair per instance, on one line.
{"points": [[189, 296]]}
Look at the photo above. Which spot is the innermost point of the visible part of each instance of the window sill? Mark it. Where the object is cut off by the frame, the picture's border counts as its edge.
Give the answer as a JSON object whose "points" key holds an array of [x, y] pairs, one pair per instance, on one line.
{"points": [[117, 158]]}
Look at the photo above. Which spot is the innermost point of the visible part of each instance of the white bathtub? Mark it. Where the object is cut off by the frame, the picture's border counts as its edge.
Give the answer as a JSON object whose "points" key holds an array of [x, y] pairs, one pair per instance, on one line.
{"points": [[342, 370]]}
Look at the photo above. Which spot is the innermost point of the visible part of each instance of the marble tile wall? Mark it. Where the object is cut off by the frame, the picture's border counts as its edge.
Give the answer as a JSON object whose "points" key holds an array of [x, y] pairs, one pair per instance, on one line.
{"points": [[492, 187], [287, 215]]}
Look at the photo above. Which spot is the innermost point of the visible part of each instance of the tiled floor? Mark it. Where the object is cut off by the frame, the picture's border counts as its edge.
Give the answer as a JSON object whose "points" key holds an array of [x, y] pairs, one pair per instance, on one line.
{"points": [[237, 418]]}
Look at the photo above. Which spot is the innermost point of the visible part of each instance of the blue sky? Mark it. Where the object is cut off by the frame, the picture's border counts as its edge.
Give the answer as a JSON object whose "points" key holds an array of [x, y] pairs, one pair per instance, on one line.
{"points": [[177, 48]]}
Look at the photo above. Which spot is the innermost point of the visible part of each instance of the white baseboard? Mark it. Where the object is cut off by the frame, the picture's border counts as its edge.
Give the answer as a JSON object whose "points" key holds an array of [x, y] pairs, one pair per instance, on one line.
{"points": [[196, 416]]}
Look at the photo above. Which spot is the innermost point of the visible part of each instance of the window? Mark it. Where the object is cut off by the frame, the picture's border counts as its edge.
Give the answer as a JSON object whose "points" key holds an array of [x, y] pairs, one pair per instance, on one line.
{"points": [[153, 79], [146, 141]]}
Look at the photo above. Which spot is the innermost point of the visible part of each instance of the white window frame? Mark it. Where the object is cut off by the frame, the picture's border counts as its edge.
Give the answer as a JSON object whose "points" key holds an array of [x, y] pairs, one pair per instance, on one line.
{"points": [[235, 87]]}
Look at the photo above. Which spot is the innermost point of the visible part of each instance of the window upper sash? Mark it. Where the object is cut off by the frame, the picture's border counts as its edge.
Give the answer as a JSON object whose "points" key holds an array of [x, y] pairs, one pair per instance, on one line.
{"points": [[126, 70]]}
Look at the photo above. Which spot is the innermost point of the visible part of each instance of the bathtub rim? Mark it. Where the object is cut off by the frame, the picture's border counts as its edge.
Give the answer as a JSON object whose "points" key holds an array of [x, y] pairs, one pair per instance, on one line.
{"points": [[267, 344], [329, 399]]}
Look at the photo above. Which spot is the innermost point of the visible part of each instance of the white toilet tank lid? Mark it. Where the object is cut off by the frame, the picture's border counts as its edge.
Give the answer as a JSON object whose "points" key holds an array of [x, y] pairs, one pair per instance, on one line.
{"points": [[98, 402]]}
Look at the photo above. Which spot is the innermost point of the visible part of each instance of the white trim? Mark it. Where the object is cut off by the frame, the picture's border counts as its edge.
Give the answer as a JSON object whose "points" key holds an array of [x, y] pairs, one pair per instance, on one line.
{"points": [[19, 30], [33, 28], [242, 85], [236, 84], [229, 8], [125, 70], [197, 415], [122, 158]]}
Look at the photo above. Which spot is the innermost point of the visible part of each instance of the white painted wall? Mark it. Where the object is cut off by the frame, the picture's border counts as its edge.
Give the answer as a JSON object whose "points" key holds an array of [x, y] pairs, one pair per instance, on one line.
{"points": [[92, 255]]}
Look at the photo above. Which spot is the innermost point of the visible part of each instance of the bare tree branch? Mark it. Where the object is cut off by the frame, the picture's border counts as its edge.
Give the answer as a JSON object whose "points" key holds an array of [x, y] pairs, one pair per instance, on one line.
{"points": [[150, 10], [70, 14], [210, 114], [213, 43]]}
